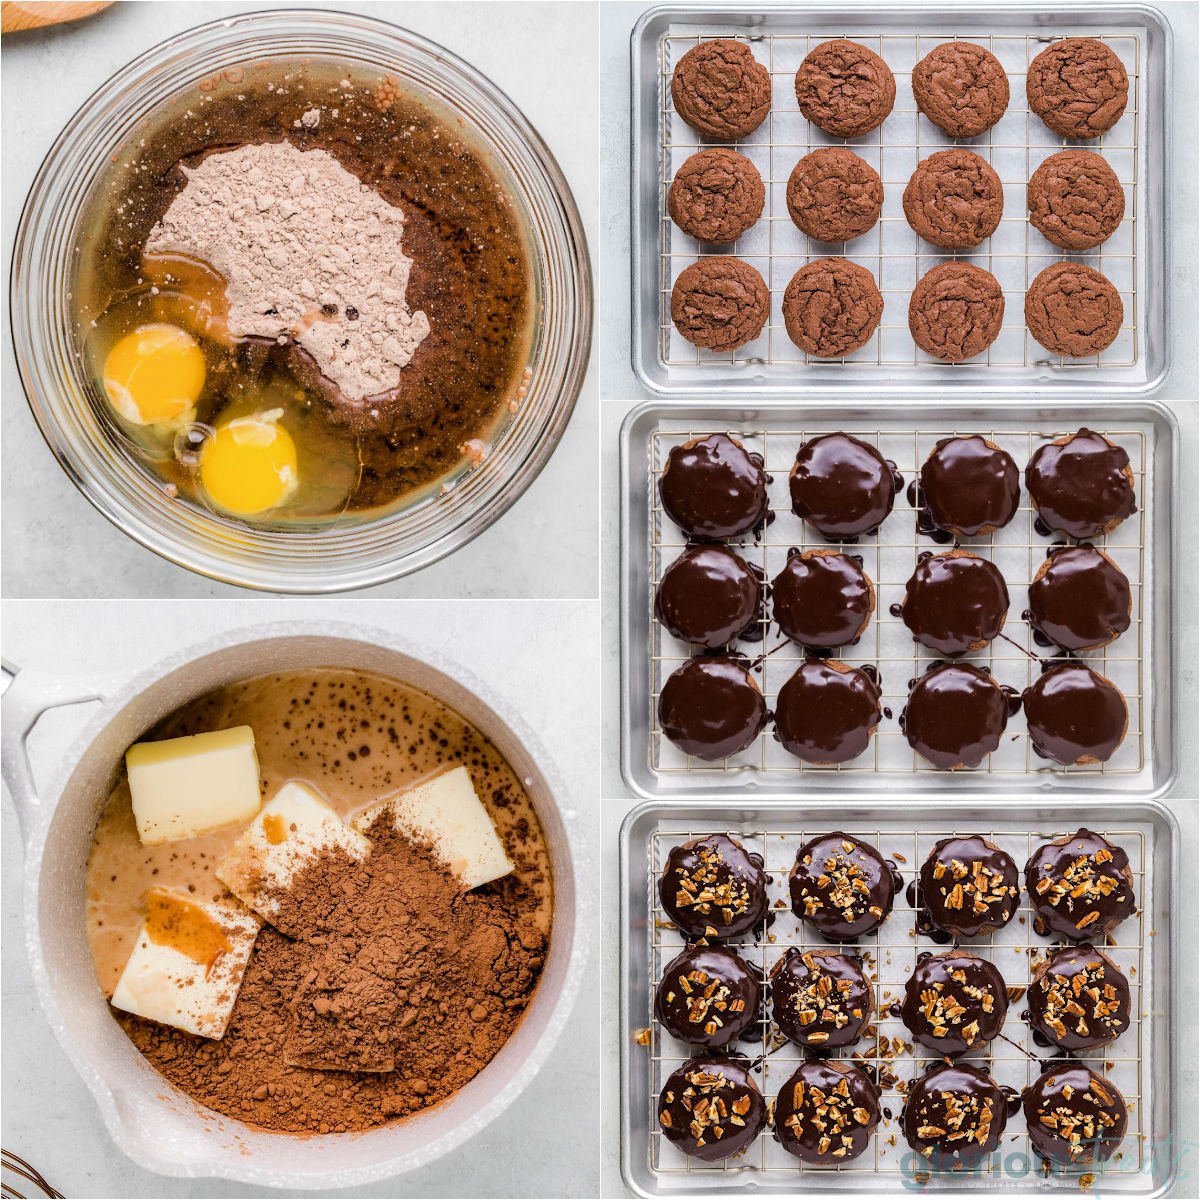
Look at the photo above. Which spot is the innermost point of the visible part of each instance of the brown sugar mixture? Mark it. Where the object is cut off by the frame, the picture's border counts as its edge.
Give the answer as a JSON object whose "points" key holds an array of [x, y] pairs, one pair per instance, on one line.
{"points": [[402, 987], [385, 386]]}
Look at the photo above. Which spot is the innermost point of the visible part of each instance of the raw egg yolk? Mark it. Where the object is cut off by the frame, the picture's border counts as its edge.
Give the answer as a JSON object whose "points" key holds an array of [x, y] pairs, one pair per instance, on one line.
{"points": [[249, 465], [154, 374]]}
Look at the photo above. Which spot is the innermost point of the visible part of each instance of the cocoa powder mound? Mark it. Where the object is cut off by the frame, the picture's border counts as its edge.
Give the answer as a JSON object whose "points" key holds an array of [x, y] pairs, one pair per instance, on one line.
{"points": [[402, 989]]}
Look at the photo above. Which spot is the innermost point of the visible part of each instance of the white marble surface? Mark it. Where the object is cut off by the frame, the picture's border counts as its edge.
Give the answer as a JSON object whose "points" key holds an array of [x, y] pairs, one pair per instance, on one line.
{"points": [[620, 391], [545, 1144], [56, 544]]}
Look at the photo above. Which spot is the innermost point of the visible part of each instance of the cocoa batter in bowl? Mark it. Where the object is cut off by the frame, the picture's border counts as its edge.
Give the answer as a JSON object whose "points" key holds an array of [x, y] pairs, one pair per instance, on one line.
{"points": [[301, 301], [216, 1120]]}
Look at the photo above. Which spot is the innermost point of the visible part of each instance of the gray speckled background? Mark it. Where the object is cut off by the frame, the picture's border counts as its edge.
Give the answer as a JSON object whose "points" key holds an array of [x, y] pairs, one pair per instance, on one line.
{"points": [[56, 544]]}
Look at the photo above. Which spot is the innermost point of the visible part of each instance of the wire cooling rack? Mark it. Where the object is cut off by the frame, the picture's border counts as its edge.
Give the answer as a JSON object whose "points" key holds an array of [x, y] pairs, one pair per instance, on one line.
{"points": [[889, 957], [889, 558], [892, 251]]}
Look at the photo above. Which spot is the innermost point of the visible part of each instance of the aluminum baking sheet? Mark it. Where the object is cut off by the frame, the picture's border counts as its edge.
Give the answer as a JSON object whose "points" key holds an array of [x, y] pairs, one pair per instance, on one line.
{"points": [[1138, 662], [780, 36], [1142, 1062]]}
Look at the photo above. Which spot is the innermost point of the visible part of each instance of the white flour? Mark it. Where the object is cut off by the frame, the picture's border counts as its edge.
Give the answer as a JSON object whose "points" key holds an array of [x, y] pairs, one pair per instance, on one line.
{"points": [[308, 252]]}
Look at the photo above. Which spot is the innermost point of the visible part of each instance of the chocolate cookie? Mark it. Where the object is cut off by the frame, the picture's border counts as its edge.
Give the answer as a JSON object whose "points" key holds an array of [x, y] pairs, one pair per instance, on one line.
{"points": [[969, 487], [711, 707], [714, 888], [716, 195], [842, 887], [842, 486], [1081, 485], [1074, 715], [1079, 999], [822, 599], [1078, 87], [955, 602], [720, 89], [954, 199], [844, 88], [826, 1112], [954, 1002], [720, 303], [1074, 1115], [821, 999], [708, 996], [955, 716], [827, 711], [1081, 886], [713, 487], [1079, 599], [710, 1108], [1073, 310], [961, 88], [708, 596], [831, 307], [1075, 200], [968, 887], [954, 1116], [955, 311], [833, 195]]}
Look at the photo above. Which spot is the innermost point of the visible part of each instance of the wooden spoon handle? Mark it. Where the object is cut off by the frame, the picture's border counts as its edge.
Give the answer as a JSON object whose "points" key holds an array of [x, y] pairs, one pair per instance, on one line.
{"points": [[15, 15]]}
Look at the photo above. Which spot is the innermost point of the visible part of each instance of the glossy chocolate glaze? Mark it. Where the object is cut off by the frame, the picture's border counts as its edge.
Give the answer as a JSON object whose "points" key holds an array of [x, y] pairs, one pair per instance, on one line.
{"points": [[842, 486], [709, 595], [969, 886], [955, 715], [711, 707], [826, 1112], [1081, 485], [1078, 999], [710, 1107], [1081, 886], [714, 888], [1074, 1115], [822, 598], [1079, 599], [827, 711], [842, 887], [969, 487], [954, 1002], [712, 488], [821, 999], [1074, 715], [954, 602], [708, 996], [954, 1115]]}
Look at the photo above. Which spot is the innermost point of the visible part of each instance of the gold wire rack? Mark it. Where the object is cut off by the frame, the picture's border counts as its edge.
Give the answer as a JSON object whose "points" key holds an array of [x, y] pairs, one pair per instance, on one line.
{"points": [[892, 251], [889, 957], [888, 559]]}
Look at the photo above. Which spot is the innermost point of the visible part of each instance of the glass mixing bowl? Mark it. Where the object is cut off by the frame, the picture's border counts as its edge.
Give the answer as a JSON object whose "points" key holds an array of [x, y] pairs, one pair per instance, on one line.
{"points": [[73, 417]]}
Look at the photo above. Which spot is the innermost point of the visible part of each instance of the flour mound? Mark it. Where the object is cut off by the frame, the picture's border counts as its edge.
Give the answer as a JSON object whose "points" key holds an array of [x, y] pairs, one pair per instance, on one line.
{"points": [[308, 252]]}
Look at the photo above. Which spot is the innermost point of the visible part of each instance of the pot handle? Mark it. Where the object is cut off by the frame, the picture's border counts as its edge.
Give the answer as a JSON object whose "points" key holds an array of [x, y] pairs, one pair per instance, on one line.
{"points": [[27, 695]]}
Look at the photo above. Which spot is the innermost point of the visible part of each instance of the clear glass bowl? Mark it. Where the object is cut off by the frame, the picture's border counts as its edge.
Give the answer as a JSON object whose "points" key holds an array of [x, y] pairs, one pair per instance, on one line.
{"points": [[61, 393]]}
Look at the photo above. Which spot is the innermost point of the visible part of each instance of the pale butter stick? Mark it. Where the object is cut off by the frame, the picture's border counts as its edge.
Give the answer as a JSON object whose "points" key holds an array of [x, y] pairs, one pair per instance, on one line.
{"points": [[187, 963], [293, 829], [446, 813]]}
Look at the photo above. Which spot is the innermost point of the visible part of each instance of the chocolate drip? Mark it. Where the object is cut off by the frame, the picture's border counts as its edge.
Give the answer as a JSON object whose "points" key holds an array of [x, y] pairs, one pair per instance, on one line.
{"points": [[827, 711], [708, 997], [821, 1000], [955, 602], [1081, 886], [1078, 999], [714, 888], [1081, 485], [709, 595], [1079, 599], [842, 486], [842, 887], [955, 716], [1074, 1115], [1074, 715], [954, 1002], [969, 486], [713, 488], [954, 1116], [826, 1112], [822, 599], [711, 707], [698, 1100], [969, 886]]}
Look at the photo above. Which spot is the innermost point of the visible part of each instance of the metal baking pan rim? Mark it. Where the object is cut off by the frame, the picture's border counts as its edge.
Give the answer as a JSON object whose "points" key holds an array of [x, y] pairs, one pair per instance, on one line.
{"points": [[1150, 13], [1052, 785], [1151, 807]]}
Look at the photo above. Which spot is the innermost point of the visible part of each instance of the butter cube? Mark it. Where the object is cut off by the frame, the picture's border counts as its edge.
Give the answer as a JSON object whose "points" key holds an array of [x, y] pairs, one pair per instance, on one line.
{"points": [[445, 812], [293, 829], [186, 786], [187, 964]]}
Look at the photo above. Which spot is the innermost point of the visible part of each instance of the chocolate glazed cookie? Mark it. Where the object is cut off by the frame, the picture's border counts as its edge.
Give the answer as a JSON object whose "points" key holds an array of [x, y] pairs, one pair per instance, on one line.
{"points": [[969, 886], [710, 1108], [821, 999], [955, 715], [832, 307], [1078, 999], [842, 887], [1081, 485], [826, 1112], [969, 487], [954, 199], [833, 195], [716, 195], [954, 1116], [1079, 599], [841, 486], [1078, 87], [713, 487], [822, 599], [1075, 200], [714, 888], [1073, 310], [955, 311], [720, 303], [961, 88], [1080, 885], [1074, 715], [711, 708], [1074, 1115], [708, 996], [955, 603], [954, 1002], [720, 89], [844, 88], [827, 711], [708, 596]]}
